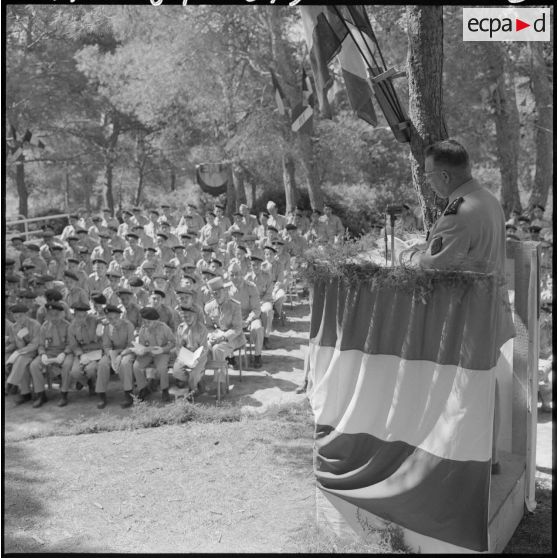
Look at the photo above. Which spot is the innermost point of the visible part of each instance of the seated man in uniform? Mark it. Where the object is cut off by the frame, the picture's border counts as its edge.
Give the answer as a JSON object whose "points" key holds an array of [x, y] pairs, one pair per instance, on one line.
{"points": [[264, 284], [247, 294], [154, 343], [54, 350], [224, 322], [118, 336], [191, 334]]}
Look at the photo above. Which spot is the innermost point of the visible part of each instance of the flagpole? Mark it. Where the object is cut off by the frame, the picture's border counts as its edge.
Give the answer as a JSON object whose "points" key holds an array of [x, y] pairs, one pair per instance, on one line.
{"points": [[388, 98]]}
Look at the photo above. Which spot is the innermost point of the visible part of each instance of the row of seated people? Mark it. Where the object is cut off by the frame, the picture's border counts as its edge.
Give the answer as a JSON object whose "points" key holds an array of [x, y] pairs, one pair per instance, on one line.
{"points": [[82, 344]]}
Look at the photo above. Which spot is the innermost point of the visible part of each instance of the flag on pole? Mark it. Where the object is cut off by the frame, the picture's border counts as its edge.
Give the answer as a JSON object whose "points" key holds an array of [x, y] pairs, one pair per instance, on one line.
{"points": [[327, 36], [302, 114], [280, 98]]}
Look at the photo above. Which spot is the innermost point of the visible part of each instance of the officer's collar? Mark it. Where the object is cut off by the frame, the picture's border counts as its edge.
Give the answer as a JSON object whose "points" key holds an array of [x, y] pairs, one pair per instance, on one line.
{"points": [[464, 189]]}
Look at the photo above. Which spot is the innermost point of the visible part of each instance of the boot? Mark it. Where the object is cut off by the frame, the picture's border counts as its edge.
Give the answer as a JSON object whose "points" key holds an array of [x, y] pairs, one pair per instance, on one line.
{"points": [[91, 385], [128, 400], [266, 343], [233, 362], [79, 386], [257, 361], [103, 401], [143, 393], [303, 387], [23, 398], [41, 398], [165, 397], [11, 389], [153, 385], [64, 401]]}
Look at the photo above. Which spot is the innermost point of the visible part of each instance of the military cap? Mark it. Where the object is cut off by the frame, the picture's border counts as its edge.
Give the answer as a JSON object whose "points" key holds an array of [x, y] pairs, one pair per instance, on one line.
{"points": [[136, 209], [208, 272], [185, 290], [511, 226], [406, 206], [163, 235], [28, 294], [291, 227], [191, 309], [127, 212], [207, 249], [72, 260], [524, 218], [135, 282], [159, 292], [151, 249], [57, 247], [81, 230], [185, 235], [106, 210], [149, 313], [9, 261], [84, 250], [117, 251], [237, 232], [12, 278], [218, 262], [31, 245], [268, 247], [512, 237], [54, 305], [219, 206], [128, 266], [80, 307], [165, 206], [243, 248], [112, 227], [96, 218], [534, 228], [72, 238], [249, 237], [27, 264], [164, 222], [138, 227], [256, 259], [193, 206], [132, 235], [272, 228], [188, 276], [210, 212], [154, 211], [217, 283], [237, 214], [59, 285], [178, 247], [125, 291], [111, 308], [149, 265], [19, 308], [160, 276], [99, 260], [71, 275], [44, 279], [47, 233], [18, 237], [98, 298], [279, 242], [170, 265], [104, 235], [540, 206]]}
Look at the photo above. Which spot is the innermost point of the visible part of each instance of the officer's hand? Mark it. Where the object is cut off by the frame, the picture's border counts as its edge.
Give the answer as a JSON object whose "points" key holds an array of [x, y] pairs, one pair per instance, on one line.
{"points": [[44, 359], [156, 350], [60, 358]]}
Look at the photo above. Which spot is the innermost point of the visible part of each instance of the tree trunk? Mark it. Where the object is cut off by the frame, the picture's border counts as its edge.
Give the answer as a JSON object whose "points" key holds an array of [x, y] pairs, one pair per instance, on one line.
{"points": [[506, 119], [231, 197], [172, 180], [110, 159], [542, 92], [139, 192], [310, 166], [67, 189], [238, 181], [22, 192], [289, 180], [424, 63]]}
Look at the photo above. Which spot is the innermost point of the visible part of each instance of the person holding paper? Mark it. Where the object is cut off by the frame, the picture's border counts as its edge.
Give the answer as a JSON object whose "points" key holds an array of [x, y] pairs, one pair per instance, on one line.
{"points": [[118, 336], [24, 336], [264, 283], [53, 349], [154, 343], [192, 349], [84, 339]]}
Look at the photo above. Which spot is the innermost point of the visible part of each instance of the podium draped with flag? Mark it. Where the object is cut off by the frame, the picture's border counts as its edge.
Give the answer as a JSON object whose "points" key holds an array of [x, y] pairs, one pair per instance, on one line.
{"points": [[402, 390]]}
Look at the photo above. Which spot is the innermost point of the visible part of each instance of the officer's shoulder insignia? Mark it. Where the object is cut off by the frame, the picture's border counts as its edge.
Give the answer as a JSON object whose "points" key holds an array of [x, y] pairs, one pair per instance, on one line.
{"points": [[453, 207], [436, 246]]}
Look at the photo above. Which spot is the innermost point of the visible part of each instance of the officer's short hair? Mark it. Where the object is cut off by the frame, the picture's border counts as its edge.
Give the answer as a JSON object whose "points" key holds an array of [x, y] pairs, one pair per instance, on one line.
{"points": [[448, 152]]}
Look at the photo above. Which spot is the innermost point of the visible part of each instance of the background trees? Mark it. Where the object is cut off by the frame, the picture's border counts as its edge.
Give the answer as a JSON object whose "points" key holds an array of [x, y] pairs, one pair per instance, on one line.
{"points": [[128, 99]]}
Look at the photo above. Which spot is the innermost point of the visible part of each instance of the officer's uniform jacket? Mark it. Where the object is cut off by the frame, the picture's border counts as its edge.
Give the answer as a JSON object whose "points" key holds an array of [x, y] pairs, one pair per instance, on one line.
{"points": [[263, 283], [118, 336], [96, 283], [104, 253], [192, 337], [54, 338], [159, 335], [76, 295], [247, 294], [167, 316], [56, 268], [470, 235], [210, 234], [275, 270], [132, 314], [30, 341], [42, 312], [134, 255], [82, 336], [228, 318]]}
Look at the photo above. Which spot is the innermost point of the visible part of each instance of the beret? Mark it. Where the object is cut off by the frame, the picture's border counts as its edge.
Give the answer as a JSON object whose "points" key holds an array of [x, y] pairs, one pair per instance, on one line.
{"points": [[154, 211], [267, 247], [71, 275], [18, 237], [125, 291], [291, 227], [185, 290], [99, 260], [188, 276], [54, 305], [17, 308], [237, 231], [192, 309], [243, 248], [27, 264], [72, 260], [57, 247], [117, 250], [149, 313], [272, 228], [96, 218], [81, 230], [132, 235], [111, 308], [53, 294], [135, 282], [28, 294], [12, 278], [80, 307], [163, 235], [159, 292], [218, 262], [256, 259], [31, 245], [207, 249], [72, 238], [99, 298]]}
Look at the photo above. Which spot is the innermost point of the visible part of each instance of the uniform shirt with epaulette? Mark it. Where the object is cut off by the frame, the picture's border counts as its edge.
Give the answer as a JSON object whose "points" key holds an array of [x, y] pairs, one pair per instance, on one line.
{"points": [[247, 294], [53, 338], [264, 284], [118, 335], [25, 335], [470, 235], [228, 318], [83, 335]]}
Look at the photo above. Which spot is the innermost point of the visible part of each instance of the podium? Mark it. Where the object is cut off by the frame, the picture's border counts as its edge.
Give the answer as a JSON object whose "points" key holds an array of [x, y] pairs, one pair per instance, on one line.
{"points": [[402, 380]]}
